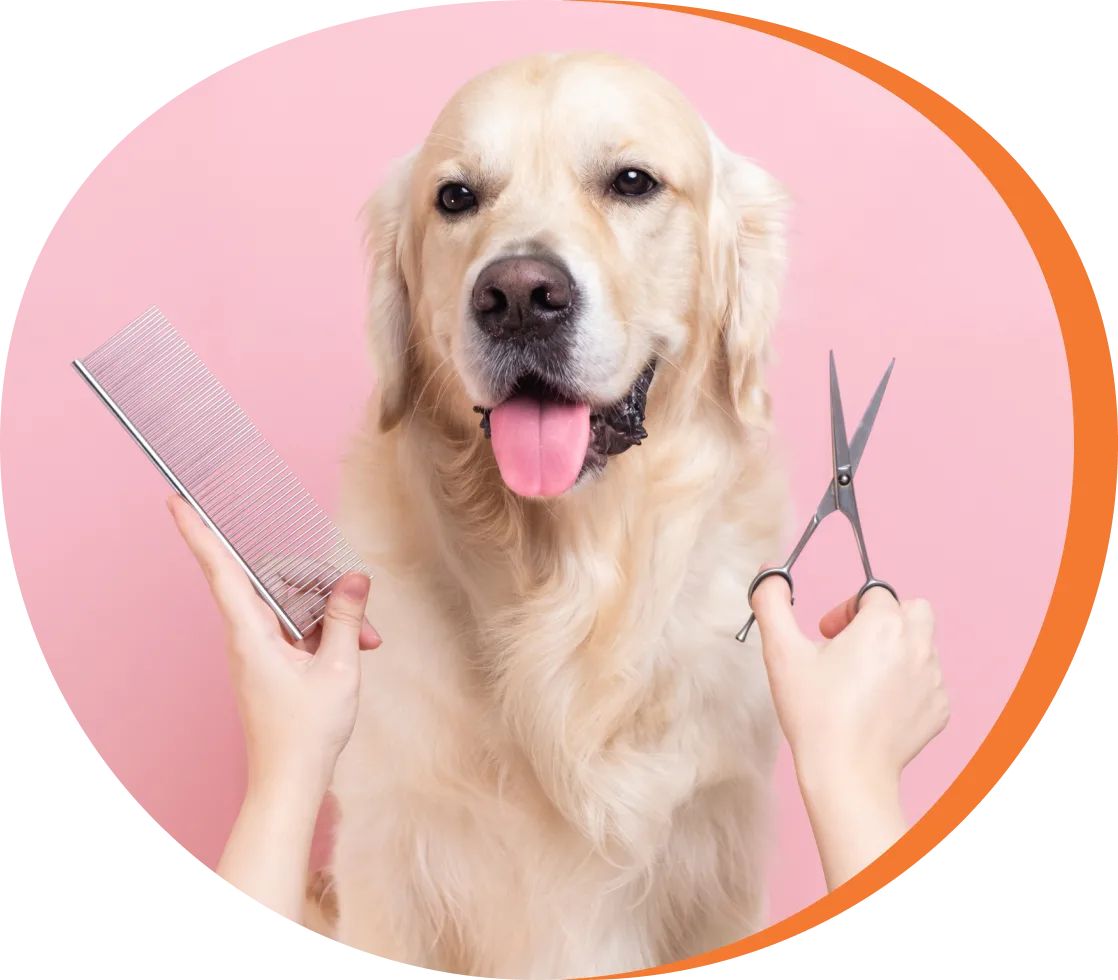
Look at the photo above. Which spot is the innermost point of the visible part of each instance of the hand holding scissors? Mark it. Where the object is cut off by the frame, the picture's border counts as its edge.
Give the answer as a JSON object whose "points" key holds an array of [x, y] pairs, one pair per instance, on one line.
{"points": [[840, 494]]}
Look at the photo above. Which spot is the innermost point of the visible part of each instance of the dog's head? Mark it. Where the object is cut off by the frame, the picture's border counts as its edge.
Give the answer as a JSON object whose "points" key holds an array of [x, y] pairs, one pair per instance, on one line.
{"points": [[570, 229]]}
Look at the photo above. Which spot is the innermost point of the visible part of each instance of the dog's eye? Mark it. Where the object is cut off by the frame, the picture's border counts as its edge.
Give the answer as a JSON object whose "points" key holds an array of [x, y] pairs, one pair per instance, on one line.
{"points": [[456, 198], [633, 183]]}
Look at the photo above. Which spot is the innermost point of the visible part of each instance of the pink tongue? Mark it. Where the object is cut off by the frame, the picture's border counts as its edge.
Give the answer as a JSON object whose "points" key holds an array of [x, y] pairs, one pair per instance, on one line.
{"points": [[540, 446]]}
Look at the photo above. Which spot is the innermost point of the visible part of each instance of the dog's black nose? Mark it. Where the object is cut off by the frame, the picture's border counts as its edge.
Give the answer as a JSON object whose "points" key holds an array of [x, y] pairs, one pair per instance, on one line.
{"points": [[524, 297]]}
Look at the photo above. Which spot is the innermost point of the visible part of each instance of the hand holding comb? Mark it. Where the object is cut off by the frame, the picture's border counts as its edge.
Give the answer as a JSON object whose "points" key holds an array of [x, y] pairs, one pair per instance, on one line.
{"points": [[219, 462]]}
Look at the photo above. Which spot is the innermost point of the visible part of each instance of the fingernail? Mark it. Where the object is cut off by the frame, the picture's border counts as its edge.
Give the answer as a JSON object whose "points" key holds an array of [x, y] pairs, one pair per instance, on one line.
{"points": [[354, 586]]}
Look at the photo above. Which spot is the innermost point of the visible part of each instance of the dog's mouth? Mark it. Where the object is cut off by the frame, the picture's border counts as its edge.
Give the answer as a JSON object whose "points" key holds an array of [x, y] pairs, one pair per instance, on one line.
{"points": [[545, 440]]}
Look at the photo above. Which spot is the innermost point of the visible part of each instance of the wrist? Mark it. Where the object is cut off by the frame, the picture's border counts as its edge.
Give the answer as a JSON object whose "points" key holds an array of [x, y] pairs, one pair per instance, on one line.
{"points": [[829, 780], [269, 846], [855, 813], [295, 781], [281, 818]]}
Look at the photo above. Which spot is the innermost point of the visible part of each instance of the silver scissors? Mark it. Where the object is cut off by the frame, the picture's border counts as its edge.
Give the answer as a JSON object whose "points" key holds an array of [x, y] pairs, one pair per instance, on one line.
{"points": [[840, 494]]}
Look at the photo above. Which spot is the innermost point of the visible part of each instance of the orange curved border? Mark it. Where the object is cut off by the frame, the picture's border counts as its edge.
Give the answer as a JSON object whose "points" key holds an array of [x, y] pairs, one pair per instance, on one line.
{"points": [[1095, 470]]}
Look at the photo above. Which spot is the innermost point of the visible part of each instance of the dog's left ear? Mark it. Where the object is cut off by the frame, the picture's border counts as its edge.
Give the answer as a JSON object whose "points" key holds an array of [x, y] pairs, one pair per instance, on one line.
{"points": [[388, 308], [747, 226]]}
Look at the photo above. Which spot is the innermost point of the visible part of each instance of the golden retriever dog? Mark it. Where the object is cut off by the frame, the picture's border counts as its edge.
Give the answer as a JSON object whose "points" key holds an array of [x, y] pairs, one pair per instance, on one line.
{"points": [[562, 762]]}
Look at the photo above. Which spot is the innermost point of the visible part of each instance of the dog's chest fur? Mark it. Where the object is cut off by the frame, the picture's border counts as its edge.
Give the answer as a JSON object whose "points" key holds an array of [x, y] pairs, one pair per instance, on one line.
{"points": [[562, 760]]}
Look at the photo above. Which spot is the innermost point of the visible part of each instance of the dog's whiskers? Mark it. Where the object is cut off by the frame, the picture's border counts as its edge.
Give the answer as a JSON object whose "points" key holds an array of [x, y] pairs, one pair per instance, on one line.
{"points": [[423, 390], [442, 390], [706, 394]]}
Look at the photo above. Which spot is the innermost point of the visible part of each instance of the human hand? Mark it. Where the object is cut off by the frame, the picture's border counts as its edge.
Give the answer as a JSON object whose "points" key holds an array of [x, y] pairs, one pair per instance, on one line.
{"points": [[297, 701], [855, 709]]}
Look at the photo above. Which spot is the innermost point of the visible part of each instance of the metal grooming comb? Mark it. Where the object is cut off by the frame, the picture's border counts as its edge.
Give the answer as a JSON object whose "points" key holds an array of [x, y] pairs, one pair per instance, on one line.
{"points": [[218, 461]]}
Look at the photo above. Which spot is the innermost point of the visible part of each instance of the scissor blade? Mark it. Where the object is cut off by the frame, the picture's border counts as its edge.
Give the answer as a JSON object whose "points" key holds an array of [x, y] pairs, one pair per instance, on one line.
{"points": [[858, 443], [862, 433], [840, 448]]}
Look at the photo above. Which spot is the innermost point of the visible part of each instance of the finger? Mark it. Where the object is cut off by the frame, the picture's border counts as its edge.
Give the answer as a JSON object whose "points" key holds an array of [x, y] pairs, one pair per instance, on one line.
{"points": [[919, 617], [344, 619], [878, 597], [368, 638], [919, 620], [205, 547], [836, 620], [772, 607], [235, 597], [305, 577]]}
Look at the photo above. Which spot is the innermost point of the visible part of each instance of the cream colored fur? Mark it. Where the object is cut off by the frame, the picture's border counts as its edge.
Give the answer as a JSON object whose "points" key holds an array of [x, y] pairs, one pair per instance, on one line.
{"points": [[562, 762]]}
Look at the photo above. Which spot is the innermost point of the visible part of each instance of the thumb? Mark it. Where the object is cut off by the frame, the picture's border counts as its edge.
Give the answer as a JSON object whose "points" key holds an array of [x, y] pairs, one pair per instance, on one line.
{"points": [[772, 608], [343, 618]]}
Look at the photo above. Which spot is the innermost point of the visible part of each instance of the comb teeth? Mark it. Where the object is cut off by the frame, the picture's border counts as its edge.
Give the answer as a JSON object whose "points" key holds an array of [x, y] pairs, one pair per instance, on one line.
{"points": [[213, 455]]}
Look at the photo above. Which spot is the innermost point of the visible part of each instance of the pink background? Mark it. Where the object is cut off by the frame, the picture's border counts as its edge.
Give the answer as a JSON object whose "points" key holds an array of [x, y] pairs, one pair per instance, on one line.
{"points": [[233, 209]]}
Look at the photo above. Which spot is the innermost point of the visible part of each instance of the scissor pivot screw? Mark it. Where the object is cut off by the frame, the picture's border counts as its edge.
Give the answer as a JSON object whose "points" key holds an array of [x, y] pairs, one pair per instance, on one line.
{"points": [[844, 479]]}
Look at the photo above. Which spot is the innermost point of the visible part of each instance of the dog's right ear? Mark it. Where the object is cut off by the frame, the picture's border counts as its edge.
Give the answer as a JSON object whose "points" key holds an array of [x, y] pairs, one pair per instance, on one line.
{"points": [[388, 307], [748, 216]]}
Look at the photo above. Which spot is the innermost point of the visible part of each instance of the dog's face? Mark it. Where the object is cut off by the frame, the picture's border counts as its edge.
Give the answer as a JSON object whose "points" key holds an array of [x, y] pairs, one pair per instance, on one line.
{"points": [[569, 224]]}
